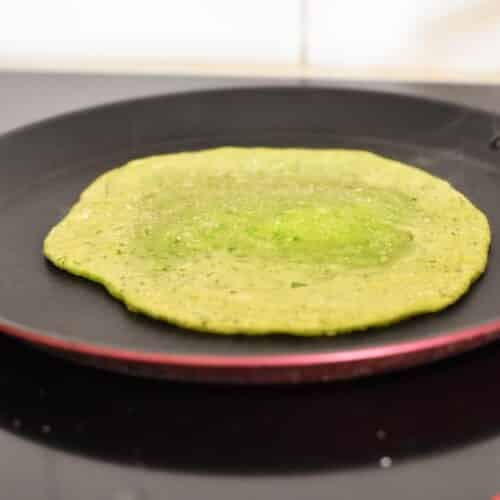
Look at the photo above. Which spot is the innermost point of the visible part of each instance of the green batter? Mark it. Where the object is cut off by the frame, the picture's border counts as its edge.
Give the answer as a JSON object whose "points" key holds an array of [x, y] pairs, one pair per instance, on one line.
{"points": [[258, 241]]}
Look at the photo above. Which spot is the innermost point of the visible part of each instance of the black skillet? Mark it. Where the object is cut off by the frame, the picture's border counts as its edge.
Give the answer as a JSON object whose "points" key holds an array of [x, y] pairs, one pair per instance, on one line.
{"points": [[44, 167]]}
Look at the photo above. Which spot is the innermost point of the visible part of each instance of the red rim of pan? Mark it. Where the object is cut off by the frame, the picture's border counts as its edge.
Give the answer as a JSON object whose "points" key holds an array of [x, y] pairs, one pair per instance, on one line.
{"points": [[271, 368]]}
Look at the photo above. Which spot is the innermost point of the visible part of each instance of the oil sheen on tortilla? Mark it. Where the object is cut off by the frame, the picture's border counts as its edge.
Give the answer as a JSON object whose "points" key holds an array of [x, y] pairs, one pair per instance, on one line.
{"points": [[260, 240]]}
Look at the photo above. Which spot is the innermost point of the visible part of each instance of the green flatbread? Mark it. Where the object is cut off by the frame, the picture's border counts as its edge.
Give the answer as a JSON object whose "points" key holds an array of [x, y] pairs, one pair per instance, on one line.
{"points": [[257, 241]]}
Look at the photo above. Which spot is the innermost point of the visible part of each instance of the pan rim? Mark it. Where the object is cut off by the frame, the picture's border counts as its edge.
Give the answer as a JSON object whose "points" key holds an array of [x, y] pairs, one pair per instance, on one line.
{"points": [[459, 339], [299, 87]]}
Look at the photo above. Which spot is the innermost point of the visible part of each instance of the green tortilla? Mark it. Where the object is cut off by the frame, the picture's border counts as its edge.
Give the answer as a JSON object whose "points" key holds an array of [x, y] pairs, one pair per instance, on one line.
{"points": [[259, 241]]}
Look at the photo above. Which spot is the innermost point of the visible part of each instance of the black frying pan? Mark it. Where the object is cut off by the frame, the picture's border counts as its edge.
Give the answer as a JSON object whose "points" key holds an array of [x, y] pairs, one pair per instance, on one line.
{"points": [[44, 167]]}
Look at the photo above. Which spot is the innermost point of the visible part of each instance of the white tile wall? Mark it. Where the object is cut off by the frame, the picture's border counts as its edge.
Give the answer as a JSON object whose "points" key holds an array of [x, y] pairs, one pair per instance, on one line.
{"points": [[422, 40], [254, 31]]}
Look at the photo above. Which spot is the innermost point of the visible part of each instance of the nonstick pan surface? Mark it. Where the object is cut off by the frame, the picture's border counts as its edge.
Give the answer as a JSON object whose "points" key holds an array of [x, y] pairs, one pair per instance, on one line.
{"points": [[44, 167]]}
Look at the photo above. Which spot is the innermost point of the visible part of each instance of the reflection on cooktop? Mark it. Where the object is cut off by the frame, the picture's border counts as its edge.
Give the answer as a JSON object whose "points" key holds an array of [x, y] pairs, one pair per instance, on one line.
{"points": [[248, 429]]}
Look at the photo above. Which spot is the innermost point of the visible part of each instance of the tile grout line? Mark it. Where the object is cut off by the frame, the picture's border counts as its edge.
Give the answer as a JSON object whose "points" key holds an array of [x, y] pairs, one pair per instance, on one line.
{"points": [[304, 38]]}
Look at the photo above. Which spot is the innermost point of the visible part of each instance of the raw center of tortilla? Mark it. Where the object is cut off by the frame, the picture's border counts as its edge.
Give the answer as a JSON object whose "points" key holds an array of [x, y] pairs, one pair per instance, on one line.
{"points": [[350, 229], [347, 235]]}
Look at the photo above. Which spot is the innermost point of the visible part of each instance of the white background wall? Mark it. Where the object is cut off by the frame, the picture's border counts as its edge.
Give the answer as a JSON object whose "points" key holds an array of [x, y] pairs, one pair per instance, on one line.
{"points": [[420, 40]]}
